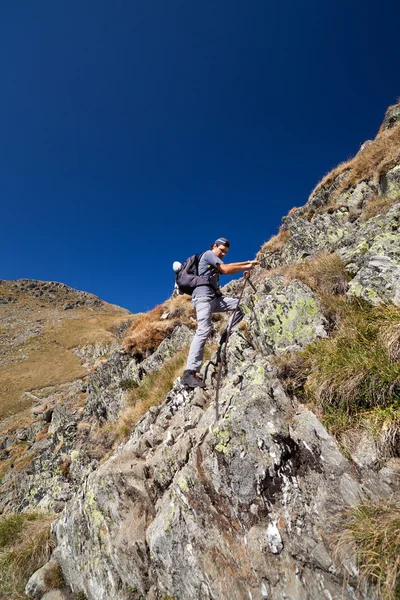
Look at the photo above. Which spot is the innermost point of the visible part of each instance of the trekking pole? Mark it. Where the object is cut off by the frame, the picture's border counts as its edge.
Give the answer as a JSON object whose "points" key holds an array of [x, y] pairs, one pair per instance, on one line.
{"points": [[246, 276]]}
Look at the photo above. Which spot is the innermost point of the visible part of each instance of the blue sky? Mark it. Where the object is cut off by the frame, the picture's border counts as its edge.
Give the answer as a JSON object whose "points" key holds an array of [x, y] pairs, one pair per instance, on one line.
{"points": [[133, 134]]}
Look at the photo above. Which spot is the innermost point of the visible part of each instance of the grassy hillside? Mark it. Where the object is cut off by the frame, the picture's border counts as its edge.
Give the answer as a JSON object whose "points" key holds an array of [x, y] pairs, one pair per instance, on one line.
{"points": [[43, 328]]}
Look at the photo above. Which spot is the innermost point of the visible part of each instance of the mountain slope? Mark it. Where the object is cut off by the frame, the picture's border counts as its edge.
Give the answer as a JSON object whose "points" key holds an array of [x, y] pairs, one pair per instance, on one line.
{"points": [[42, 327], [294, 491]]}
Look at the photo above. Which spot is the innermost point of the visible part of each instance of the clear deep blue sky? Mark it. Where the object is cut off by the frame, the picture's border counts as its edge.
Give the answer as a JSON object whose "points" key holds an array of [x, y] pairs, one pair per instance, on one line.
{"points": [[133, 133]]}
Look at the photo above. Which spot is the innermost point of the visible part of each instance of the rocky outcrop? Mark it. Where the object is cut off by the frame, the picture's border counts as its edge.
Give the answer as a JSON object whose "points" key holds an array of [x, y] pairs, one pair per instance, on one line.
{"points": [[45, 480], [369, 249], [392, 117], [373, 257], [242, 508], [59, 451], [285, 317]]}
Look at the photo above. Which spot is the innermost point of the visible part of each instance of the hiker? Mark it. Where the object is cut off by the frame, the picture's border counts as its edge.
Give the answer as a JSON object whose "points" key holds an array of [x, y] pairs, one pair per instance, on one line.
{"points": [[207, 299]]}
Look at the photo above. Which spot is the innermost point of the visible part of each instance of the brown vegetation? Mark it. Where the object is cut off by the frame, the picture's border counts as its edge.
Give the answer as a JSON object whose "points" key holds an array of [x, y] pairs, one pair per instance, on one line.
{"points": [[150, 329], [50, 360], [378, 206], [276, 242], [323, 274]]}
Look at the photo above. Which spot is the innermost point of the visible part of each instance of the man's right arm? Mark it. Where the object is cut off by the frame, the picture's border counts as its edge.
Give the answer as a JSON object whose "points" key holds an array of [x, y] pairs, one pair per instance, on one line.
{"points": [[232, 268]]}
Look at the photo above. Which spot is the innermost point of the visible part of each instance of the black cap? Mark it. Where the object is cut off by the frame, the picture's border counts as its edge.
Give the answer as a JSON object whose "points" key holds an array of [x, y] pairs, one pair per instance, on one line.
{"points": [[222, 242]]}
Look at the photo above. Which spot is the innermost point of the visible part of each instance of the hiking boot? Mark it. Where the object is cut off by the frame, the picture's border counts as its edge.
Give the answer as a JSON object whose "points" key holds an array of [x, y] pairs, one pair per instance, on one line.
{"points": [[192, 380]]}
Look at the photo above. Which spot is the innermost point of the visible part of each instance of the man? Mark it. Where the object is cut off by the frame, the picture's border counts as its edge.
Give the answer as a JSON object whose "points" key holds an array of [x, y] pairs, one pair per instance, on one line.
{"points": [[207, 299]]}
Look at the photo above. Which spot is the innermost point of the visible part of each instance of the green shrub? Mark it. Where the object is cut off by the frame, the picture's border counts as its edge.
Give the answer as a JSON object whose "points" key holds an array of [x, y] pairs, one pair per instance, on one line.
{"points": [[127, 384]]}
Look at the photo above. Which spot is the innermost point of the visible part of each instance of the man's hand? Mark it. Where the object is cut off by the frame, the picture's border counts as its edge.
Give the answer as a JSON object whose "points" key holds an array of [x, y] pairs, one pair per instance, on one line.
{"points": [[252, 264]]}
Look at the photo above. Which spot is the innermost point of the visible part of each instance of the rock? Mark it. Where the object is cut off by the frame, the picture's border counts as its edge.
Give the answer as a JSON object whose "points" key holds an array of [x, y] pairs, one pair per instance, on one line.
{"points": [[392, 117], [365, 145], [42, 581], [390, 183], [47, 415], [273, 538], [324, 232], [105, 396], [180, 337], [186, 513], [59, 595], [372, 256], [377, 281], [285, 318], [322, 194], [357, 197]]}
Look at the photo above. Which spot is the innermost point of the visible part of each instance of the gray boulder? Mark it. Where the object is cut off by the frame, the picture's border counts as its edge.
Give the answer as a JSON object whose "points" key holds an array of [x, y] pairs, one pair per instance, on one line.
{"points": [[285, 317]]}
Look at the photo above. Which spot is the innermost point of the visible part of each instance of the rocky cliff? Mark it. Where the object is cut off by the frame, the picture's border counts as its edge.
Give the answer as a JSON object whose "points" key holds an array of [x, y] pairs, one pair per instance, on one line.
{"points": [[156, 499]]}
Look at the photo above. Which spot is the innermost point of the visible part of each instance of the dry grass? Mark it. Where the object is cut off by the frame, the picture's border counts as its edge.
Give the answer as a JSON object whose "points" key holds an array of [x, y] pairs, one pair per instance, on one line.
{"points": [[50, 360], [373, 531], [25, 545], [151, 392], [16, 457], [276, 242], [378, 206], [150, 329], [53, 578], [370, 164], [325, 274]]}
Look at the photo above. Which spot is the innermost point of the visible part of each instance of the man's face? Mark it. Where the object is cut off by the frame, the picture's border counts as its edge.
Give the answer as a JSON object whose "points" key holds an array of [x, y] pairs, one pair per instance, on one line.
{"points": [[220, 250]]}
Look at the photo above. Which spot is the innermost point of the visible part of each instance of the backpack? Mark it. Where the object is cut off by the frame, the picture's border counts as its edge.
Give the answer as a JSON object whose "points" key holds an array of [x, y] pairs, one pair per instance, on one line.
{"points": [[188, 278]]}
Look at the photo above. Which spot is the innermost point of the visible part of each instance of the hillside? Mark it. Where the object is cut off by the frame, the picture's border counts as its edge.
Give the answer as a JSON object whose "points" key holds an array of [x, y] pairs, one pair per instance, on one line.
{"points": [[293, 492], [44, 328]]}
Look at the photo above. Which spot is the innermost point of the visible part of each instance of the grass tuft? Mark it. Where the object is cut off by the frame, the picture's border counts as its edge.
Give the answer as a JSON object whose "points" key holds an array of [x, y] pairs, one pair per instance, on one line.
{"points": [[373, 530], [151, 392], [325, 274], [354, 376], [276, 242], [53, 577], [378, 206], [354, 369], [25, 545]]}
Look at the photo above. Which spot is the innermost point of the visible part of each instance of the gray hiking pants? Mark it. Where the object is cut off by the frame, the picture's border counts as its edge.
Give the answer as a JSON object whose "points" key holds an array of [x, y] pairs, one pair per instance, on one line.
{"points": [[205, 307]]}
